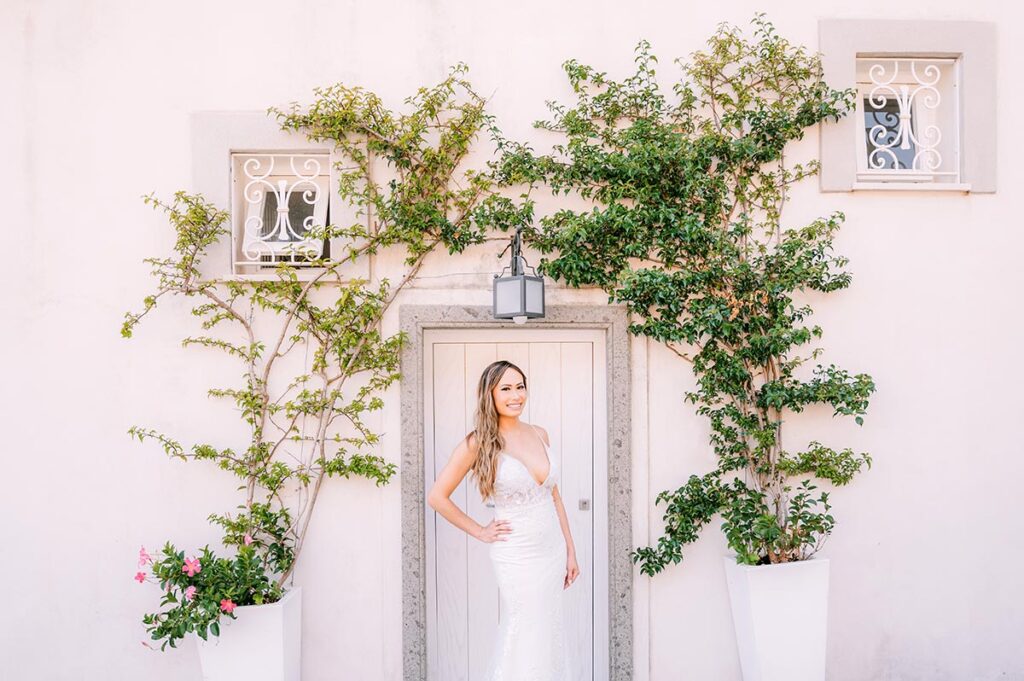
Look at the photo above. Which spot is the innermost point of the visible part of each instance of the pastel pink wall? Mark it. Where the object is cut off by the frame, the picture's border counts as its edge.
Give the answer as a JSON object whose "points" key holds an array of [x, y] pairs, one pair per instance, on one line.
{"points": [[926, 555]]}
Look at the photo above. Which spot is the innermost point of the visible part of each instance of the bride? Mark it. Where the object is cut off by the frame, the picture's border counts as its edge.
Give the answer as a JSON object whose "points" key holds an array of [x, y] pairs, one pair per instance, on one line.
{"points": [[532, 551]]}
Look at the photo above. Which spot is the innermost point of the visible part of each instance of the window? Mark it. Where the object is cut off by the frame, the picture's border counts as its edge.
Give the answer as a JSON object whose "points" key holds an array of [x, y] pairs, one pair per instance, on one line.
{"points": [[276, 185], [925, 115], [908, 117], [277, 199]]}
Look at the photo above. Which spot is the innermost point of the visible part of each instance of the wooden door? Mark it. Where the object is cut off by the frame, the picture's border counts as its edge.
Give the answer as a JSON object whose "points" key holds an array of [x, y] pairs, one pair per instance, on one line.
{"points": [[566, 374]]}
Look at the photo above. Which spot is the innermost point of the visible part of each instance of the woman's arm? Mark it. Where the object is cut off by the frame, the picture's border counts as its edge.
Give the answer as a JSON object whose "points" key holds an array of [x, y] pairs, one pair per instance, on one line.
{"points": [[451, 477], [572, 570], [563, 519]]}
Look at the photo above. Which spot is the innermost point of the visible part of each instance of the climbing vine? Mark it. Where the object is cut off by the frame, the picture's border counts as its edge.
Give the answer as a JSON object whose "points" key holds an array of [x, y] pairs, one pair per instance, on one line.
{"points": [[686, 191], [405, 173]]}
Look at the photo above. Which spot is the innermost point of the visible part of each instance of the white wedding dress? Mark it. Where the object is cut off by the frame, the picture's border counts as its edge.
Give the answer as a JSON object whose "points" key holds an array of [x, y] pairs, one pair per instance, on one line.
{"points": [[530, 570]]}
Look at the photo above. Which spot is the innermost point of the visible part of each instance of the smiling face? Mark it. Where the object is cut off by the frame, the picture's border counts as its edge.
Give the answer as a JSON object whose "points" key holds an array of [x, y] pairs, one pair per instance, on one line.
{"points": [[510, 394]]}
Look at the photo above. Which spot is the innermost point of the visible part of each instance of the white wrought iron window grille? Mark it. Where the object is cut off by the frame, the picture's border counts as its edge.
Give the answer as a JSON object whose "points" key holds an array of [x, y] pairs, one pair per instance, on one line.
{"points": [[277, 199], [908, 114]]}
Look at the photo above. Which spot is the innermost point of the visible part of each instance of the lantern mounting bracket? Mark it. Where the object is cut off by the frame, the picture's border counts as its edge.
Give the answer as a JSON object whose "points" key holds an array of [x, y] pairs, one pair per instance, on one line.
{"points": [[519, 296], [518, 259]]}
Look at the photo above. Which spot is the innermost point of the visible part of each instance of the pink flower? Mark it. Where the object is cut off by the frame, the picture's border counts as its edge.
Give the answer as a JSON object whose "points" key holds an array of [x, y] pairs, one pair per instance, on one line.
{"points": [[191, 566], [144, 557], [227, 606], [190, 593], [247, 539], [140, 577]]}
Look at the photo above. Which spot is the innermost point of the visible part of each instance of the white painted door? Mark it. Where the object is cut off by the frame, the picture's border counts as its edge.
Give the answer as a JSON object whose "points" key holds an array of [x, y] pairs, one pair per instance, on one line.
{"points": [[566, 378]]}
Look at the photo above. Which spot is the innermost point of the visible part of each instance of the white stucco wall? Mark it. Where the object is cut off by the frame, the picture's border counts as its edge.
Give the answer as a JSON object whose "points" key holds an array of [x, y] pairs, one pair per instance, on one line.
{"points": [[927, 552]]}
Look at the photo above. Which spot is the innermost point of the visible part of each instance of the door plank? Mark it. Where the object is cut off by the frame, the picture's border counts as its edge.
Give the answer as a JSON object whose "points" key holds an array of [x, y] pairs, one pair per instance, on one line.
{"points": [[451, 543], [578, 446], [482, 591]]}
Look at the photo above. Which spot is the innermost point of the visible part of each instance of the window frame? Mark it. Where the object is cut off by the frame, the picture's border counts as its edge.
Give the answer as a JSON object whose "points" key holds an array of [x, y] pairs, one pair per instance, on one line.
{"points": [[973, 43], [215, 137], [245, 241], [920, 118]]}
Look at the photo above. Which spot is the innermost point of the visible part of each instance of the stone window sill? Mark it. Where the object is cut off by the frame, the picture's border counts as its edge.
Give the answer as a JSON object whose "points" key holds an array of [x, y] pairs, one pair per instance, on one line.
{"points": [[961, 187]]}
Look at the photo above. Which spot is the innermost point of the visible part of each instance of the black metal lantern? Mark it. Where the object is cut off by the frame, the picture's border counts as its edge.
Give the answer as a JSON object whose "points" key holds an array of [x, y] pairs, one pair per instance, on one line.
{"points": [[518, 296]]}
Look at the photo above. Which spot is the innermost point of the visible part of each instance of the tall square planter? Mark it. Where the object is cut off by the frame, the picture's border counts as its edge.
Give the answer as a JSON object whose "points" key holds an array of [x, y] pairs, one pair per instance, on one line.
{"points": [[263, 644], [780, 613]]}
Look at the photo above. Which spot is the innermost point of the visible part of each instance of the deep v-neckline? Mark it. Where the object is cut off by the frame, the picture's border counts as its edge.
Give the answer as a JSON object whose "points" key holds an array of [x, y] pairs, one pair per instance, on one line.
{"points": [[533, 479]]}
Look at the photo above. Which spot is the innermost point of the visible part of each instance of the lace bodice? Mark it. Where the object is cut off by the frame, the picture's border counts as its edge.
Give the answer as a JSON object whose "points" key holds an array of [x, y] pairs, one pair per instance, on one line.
{"points": [[515, 486]]}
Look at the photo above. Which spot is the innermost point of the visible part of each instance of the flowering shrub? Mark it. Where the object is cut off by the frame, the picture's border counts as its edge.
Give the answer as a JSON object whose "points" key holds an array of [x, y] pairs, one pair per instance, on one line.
{"points": [[200, 589]]}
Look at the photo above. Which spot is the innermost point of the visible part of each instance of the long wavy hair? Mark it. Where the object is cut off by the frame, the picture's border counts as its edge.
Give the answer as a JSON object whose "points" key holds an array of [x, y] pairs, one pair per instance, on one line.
{"points": [[488, 439]]}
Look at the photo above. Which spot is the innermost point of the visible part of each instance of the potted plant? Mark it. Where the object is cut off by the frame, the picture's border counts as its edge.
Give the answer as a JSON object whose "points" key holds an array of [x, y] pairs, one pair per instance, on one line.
{"points": [[244, 600], [685, 193], [256, 624], [405, 174]]}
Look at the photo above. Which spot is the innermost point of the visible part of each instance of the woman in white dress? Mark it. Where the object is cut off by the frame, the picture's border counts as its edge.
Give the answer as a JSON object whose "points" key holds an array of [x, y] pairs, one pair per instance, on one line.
{"points": [[532, 551]]}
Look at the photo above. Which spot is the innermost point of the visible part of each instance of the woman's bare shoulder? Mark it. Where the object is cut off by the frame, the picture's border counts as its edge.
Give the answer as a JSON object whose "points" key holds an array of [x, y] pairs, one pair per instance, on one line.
{"points": [[470, 444], [544, 434]]}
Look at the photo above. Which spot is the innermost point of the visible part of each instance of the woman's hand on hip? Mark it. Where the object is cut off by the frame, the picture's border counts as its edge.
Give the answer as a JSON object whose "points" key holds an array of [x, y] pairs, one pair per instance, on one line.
{"points": [[496, 530]]}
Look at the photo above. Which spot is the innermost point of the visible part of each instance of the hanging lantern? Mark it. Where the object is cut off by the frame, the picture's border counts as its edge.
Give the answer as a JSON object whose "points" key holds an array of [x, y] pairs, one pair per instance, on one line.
{"points": [[518, 296]]}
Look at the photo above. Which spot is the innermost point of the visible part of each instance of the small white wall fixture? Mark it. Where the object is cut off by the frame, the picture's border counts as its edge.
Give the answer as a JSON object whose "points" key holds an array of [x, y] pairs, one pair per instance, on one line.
{"points": [[780, 614], [262, 644]]}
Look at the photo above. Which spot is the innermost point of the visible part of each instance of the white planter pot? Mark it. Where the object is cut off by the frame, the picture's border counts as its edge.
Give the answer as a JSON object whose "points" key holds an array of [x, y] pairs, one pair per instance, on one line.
{"points": [[263, 644], [780, 613]]}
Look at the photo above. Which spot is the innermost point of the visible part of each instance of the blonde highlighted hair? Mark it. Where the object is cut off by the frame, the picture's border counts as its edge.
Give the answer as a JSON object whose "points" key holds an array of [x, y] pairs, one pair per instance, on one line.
{"points": [[488, 440]]}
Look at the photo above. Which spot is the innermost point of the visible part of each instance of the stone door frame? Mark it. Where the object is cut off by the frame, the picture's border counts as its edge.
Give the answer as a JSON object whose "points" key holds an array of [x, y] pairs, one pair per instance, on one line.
{"points": [[414, 319]]}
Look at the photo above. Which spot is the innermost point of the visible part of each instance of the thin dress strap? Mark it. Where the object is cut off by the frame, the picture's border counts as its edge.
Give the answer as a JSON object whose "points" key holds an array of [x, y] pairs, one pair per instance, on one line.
{"points": [[540, 436]]}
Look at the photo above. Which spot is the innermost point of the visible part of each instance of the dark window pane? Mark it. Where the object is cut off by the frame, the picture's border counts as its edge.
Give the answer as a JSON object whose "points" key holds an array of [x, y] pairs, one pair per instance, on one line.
{"points": [[883, 136], [298, 211]]}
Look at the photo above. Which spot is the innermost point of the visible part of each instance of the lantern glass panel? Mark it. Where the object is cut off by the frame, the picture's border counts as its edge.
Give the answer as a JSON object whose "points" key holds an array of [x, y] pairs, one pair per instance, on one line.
{"points": [[508, 296], [535, 296]]}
